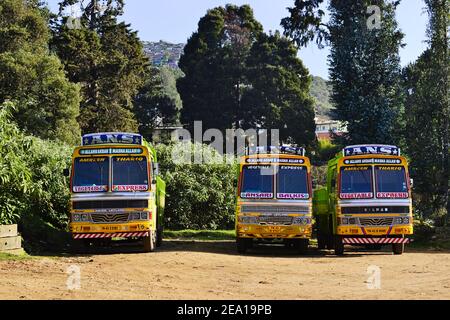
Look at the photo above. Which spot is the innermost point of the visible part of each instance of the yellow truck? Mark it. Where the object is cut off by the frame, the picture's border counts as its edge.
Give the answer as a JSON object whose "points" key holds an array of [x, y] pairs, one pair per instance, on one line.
{"points": [[116, 191], [367, 200], [274, 198]]}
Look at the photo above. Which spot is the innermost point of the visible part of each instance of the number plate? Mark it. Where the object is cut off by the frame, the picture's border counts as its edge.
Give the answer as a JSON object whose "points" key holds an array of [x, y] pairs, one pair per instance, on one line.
{"points": [[275, 229]]}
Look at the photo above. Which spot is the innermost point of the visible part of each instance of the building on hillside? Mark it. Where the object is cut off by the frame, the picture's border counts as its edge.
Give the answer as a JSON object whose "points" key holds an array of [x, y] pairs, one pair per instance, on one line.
{"points": [[164, 134], [325, 128]]}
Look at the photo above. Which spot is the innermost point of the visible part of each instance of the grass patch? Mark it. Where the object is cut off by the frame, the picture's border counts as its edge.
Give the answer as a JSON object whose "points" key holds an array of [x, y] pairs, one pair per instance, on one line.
{"points": [[200, 234], [15, 257]]}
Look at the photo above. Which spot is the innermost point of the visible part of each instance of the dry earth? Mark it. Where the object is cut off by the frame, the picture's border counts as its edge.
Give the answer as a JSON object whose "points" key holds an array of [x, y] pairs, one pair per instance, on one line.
{"points": [[212, 270]]}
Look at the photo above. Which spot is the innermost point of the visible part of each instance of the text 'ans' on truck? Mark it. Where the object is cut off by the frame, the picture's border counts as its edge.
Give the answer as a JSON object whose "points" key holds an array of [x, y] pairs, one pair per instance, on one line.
{"points": [[274, 198], [116, 191], [367, 200]]}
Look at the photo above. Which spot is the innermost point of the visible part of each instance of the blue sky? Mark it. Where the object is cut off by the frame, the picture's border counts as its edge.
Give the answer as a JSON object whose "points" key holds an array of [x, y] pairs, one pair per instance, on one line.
{"points": [[175, 20]]}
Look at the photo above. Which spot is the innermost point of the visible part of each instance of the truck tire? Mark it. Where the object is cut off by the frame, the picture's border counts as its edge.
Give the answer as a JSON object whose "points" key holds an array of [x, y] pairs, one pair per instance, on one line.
{"points": [[301, 245], [338, 246], [398, 248], [159, 237], [150, 242], [79, 246], [242, 245], [321, 242]]}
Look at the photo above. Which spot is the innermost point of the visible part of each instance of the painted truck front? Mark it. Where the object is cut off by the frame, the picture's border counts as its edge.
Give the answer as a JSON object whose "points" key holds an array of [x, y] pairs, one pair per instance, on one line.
{"points": [[274, 200], [367, 200], [116, 191]]}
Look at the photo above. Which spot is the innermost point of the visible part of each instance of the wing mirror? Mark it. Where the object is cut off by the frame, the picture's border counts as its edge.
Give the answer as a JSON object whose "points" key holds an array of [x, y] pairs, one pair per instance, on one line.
{"points": [[411, 182], [155, 172]]}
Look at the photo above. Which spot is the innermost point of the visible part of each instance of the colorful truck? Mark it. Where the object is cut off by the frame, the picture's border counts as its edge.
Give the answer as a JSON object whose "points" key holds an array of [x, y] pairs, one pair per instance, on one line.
{"points": [[274, 198], [367, 200], [116, 191]]}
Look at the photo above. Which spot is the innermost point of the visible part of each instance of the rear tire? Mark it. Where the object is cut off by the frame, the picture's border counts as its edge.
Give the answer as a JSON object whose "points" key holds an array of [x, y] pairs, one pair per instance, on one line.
{"points": [[338, 246], [150, 242], [301, 246], [321, 242], [159, 237], [398, 248]]}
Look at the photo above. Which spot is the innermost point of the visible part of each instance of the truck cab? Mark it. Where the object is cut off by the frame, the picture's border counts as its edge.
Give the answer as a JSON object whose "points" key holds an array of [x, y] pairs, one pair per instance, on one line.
{"points": [[274, 198], [367, 200], [116, 191]]}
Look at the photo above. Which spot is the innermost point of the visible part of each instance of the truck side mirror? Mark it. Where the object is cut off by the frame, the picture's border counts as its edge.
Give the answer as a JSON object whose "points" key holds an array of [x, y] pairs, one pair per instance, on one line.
{"points": [[411, 182], [66, 173], [155, 172]]}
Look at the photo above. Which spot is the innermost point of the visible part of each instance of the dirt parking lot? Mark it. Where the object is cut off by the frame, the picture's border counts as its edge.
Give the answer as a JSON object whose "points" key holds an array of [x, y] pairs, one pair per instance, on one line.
{"points": [[213, 270]]}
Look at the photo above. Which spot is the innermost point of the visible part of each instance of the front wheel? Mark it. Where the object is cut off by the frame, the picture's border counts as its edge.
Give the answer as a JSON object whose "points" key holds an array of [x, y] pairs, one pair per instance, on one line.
{"points": [[150, 242], [301, 245], [159, 237], [243, 244], [338, 246], [398, 248]]}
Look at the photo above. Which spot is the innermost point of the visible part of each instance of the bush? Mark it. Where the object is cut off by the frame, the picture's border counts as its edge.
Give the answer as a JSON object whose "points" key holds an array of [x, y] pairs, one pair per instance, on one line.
{"points": [[31, 180], [199, 196]]}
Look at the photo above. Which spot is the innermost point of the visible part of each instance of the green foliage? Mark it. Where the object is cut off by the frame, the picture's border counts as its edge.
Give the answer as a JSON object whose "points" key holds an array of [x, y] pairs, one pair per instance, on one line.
{"points": [[279, 94], [214, 65], [364, 64], [324, 152], [106, 58], [201, 235], [157, 103], [31, 180], [427, 113], [199, 196], [48, 103], [239, 77]]}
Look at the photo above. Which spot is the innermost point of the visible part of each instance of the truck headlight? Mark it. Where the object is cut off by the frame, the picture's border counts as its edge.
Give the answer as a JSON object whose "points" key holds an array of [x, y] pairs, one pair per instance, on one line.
{"points": [[135, 216], [76, 218], [144, 216], [401, 220], [248, 219], [85, 217], [301, 221]]}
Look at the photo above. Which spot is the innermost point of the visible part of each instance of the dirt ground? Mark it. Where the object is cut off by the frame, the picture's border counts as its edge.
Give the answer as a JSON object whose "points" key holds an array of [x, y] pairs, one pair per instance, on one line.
{"points": [[212, 270]]}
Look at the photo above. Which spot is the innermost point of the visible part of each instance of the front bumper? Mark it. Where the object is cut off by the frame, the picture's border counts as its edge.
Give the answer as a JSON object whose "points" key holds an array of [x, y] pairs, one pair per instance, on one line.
{"points": [[274, 232], [399, 230], [108, 229]]}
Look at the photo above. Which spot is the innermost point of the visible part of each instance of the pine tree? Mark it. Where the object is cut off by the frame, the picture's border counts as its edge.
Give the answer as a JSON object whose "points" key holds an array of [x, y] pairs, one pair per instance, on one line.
{"points": [[106, 58], [47, 103], [427, 111], [214, 66], [364, 64]]}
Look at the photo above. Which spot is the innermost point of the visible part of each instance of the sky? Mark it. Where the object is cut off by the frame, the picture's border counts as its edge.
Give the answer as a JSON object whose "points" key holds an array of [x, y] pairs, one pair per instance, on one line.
{"points": [[175, 20]]}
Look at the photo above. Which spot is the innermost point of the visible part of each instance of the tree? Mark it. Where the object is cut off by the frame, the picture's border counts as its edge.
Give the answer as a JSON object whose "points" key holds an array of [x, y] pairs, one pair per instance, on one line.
{"points": [[364, 64], [32, 77], [278, 97], [106, 58], [427, 114], [156, 104], [214, 66]]}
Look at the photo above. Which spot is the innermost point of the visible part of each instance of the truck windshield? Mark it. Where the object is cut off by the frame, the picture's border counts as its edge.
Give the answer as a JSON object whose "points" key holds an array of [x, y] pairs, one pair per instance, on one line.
{"points": [[90, 174], [356, 183], [257, 182], [292, 182], [391, 182], [130, 174]]}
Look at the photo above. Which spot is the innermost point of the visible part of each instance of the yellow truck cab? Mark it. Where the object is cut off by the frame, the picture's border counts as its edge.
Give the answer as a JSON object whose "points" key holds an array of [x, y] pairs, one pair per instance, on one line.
{"points": [[367, 200], [274, 198], [116, 191]]}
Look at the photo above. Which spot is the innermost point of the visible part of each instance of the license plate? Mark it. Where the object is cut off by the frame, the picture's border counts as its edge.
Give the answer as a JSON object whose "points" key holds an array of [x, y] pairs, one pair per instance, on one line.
{"points": [[114, 228], [275, 229]]}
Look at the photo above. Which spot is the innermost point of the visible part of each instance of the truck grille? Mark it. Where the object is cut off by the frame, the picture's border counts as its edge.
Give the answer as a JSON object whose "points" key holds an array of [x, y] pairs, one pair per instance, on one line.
{"points": [[275, 209], [376, 221], [285, 220], [108, 218], [109, 204], [377, 209]]}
